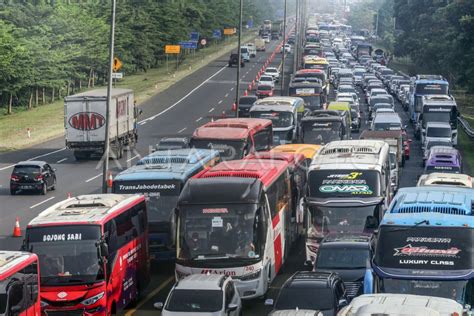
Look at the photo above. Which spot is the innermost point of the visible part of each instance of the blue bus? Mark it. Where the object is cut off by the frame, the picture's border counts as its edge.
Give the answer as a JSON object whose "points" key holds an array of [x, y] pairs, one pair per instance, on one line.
{"points": [[425, 85], [424, 244], [161, 176]]}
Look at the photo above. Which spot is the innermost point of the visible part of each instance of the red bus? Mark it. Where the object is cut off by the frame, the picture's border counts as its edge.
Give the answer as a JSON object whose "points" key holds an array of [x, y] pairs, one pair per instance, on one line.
{"points": [[232, 219], [234, 138], [93, 253], [19, 284]]}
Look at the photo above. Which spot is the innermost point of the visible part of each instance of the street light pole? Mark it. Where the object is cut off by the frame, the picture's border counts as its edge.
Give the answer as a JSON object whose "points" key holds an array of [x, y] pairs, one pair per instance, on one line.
{"points": [[237, 89], [109, 100], [297, 34], [282, 79]]}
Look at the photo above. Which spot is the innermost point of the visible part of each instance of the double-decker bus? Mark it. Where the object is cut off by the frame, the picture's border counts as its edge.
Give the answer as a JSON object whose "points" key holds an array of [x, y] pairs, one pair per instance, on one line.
{"points": [[93, 253], [233, 219], [19, 284], [425, 244], [348, 189], [234, 138], [161, 176]]}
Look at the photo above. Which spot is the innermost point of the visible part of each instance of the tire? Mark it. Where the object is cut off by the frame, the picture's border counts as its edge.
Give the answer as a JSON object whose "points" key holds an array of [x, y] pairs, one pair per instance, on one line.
{"points": [[12, 191], [44, 189], [53, 187]]}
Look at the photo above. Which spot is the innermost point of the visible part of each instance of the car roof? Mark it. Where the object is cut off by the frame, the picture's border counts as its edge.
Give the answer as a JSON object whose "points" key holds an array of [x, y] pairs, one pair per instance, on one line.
{"points": [[201, 282], [310, 279], [31, 163], [438, 124]]}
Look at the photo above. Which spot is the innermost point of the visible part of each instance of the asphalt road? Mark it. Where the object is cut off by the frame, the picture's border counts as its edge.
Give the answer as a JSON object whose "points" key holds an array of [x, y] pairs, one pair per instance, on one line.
{"points": [[198, 98]]}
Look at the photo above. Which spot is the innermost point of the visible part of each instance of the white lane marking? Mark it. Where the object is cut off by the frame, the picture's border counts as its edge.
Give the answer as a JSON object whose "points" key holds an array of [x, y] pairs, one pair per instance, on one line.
{"points": [[142, 123], [61, 160], [182, 130], [93, 178], [42, 202], [226, 95], [219, 102], [136, 156], [7, 167], [199, 119], [232, 89], [186, 96], [47, 154], [211, 110]]}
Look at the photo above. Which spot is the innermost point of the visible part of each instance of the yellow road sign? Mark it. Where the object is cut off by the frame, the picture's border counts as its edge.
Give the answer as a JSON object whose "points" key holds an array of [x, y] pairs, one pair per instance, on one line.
{"points": [[229, 31], [117, 64], [172, 49]]}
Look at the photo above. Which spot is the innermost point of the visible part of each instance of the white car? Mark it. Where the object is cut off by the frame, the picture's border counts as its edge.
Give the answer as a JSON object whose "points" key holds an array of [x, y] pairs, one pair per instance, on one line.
{"points": [[202, 294], [436, 131], [272, 71], [252, 49], [266, 80], [266, 38], [287, 48]]}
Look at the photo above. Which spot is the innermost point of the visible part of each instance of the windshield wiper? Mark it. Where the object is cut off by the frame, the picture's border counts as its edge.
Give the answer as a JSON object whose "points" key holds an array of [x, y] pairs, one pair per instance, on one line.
{"points": [[210, 256], [425, 221]]}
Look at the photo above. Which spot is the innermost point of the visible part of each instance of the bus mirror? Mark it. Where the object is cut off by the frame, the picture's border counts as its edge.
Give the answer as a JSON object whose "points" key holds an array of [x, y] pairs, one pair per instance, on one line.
{"points": [[158, 305], [104, 250], [371, 222]]}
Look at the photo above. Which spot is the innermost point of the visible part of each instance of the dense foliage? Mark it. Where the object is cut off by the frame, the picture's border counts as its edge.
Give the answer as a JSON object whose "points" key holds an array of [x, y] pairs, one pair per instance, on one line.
{"points": [[49, 48]]}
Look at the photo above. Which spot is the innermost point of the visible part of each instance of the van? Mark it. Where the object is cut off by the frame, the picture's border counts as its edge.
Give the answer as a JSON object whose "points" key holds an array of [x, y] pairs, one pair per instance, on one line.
{"points": [[252, 49], [245, 53]]}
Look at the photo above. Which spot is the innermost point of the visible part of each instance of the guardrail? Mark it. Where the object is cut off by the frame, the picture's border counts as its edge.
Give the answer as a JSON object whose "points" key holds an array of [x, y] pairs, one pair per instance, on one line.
{"points": [[466, 126]]}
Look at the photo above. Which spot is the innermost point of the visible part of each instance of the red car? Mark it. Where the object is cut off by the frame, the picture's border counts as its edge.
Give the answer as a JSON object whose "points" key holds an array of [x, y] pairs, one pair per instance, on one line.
{"points": [[264, 91]]}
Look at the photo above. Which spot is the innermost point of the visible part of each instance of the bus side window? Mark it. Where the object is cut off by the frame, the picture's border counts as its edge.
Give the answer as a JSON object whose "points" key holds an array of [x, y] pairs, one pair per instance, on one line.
{"points": [[272, 194], [31, 284], [124, 228], [138, 219]]}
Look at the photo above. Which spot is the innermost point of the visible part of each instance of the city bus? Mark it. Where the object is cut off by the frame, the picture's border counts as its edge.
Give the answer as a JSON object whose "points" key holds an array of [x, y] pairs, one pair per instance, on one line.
{"points": [[312, 62], [348, 190], [19, 284], [93, 253], [425, 244], [234, 138], [311, 92], [242, 230], [160, 176], [315, 73]]}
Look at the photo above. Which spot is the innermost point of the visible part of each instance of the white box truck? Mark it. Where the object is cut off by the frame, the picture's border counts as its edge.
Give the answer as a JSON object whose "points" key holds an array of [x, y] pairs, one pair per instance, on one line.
{"points": [[84, 122]]}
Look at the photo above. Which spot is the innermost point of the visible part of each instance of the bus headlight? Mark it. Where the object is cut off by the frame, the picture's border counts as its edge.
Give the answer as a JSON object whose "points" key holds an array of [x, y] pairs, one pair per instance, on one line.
{"points": [[93, 299], [251, 276], [43, 304]]}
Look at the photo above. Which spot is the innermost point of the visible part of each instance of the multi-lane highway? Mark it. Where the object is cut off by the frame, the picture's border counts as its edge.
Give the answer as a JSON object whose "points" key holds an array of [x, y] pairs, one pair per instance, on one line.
{"points": [[203, 95]]}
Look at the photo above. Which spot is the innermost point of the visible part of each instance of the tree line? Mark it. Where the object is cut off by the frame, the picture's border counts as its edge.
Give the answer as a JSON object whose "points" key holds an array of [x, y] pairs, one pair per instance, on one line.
{"points": [[438, 36], [51, 48]]}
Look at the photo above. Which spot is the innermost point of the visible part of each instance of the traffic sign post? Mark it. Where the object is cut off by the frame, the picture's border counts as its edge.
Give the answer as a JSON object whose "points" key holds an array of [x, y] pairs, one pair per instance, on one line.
{"points": [[203, 42], [117, 64], [172, 49]]}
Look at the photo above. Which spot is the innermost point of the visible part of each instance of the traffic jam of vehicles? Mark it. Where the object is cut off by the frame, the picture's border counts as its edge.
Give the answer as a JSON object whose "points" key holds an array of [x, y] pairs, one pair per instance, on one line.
{"points": [[320, 166]]}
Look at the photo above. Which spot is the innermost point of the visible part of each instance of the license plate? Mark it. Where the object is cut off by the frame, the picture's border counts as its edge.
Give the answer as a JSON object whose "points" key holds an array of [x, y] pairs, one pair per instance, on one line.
{"points": [[26, 187]]}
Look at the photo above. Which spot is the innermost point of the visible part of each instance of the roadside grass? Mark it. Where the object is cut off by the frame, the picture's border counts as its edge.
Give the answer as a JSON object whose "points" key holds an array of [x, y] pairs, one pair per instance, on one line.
{"points": [[466, 147], [47, 121]]}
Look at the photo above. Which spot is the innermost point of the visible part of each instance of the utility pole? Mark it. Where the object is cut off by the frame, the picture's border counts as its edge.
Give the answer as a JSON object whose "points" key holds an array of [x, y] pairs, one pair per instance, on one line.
{"points": [[282, 77], [297, 35], [377, 26], [109, 100], [237, 89]]}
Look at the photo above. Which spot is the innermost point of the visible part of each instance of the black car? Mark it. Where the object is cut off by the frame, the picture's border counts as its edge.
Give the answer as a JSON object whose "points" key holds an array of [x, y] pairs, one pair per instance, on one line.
{"points": [[348, 257], [315, 291], [170, 143], [32, 176], [234, 60], [245, 103]]}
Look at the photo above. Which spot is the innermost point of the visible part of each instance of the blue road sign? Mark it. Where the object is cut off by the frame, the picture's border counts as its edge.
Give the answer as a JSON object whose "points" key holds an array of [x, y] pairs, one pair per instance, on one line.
{"points": [[217, 34], [250, 23], [194, 36], [188, 44]]}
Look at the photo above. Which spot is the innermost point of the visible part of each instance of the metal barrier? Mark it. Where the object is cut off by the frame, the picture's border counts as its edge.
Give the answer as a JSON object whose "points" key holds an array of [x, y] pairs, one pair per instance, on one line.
{"points": [[466, 126]]}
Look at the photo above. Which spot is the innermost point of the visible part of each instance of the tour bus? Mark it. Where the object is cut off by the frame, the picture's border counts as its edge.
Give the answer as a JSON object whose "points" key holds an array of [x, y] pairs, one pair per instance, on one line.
{"points": [[424, 85], [322, 126], [19, 284], [348, 190], [284, 119], [161, 176], [234, 138], [313, 62], [309, 151], [311, 92], [293, 101], [438, 109], [315, 73], [93, 253], [425, 244], [297, 166], [241, 231]]}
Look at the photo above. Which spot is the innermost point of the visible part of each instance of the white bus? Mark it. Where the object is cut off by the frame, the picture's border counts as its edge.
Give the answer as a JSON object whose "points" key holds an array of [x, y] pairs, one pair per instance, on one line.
{"points": [[348, 189]]}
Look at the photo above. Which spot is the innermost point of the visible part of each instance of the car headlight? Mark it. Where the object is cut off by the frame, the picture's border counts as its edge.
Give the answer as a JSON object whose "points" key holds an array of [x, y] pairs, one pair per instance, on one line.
{"points": [[251, 276], [93, 299]]}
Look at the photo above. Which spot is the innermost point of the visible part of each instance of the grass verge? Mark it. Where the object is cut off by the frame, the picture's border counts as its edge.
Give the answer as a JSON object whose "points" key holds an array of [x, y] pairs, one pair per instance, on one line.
{"points": [[47, 121], [467, 150]]}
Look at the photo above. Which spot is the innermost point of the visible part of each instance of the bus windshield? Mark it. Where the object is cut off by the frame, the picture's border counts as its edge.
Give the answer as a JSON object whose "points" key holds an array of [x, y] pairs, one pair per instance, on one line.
{"points": [[339, 183], [279, 119], [219, 232], [430, 88], [312, 102], [322, 132], [228, 149], [67, 254]]}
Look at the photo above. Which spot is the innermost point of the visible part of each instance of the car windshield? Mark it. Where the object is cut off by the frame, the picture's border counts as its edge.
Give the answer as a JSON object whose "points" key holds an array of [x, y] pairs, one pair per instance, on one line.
{"points": [[228, 149], [321, 132], [267, 78], [264, 88], [438, 132], [219, 232], [387, 127], [270, 70], [305, 297], [342, 257], [246, 100], [279, 119], [454, 290], [194, 301], [26, 169], [59, 248]]}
